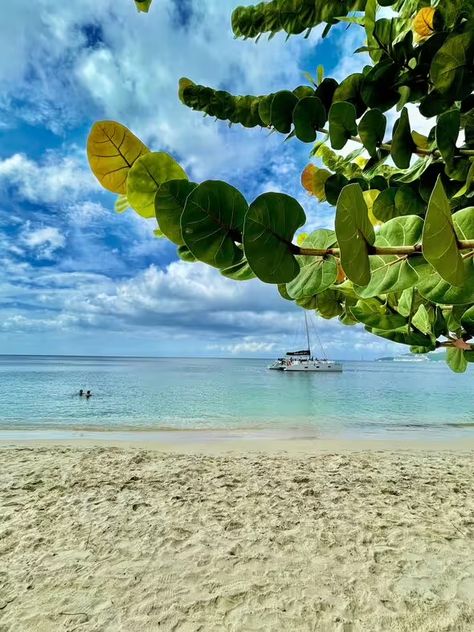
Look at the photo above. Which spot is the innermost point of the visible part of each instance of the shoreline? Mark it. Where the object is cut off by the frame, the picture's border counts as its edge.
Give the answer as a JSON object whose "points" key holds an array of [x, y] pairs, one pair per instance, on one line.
{"points": [[232, 441]]}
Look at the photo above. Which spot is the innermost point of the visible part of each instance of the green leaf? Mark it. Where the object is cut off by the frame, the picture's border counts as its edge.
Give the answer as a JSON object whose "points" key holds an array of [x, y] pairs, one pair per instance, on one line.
{"points": [[393, 273], [281, 111], [342, 123], [309, 115], [145, 178], [372, 129], [212, 222], [316, 273], [325, 91], [328, 304], [265, 109], [240, 271], [185, 254], [401, 336], [378, 89], [121, 204], [170, 200], [467, 320], [349, 90], [320, 74], [421, 320], [402, 145], [373, 313], [333, 187], [354, 233], [439, 238], [447, 131], [416, 170], [432, 286], [456, 360], [451, 68], [270, 225]]}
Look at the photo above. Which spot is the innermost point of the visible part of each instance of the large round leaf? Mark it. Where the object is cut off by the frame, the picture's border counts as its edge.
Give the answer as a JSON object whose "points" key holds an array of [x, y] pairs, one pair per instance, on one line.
{"points": [[373, 313], [451, 68], [313, 179], [281, 110], [270, 225], [372, 129], [393, 273], [212, 222], [170, 200], [309, 115], [439, 238], [112, 149], [349, 90], [342, 123], [316, 273], [456, 360], [354, 233], [145, 178], [378, 89]]}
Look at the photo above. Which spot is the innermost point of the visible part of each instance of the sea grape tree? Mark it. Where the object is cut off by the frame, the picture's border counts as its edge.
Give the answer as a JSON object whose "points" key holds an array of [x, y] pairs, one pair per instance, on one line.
{"points": [[401, 258]]}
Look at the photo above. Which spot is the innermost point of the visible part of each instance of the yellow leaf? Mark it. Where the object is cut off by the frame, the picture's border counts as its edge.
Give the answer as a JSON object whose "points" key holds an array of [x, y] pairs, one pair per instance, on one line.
{"points": [[423, 23], [184, 83], [369, 197], [301, 237], [313, 179], [143, 5], [360, 161], [111, 150]]}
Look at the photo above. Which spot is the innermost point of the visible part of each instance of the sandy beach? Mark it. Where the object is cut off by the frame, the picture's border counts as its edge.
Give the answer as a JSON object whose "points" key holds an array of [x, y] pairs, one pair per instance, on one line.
{"points": [[131, 539]]}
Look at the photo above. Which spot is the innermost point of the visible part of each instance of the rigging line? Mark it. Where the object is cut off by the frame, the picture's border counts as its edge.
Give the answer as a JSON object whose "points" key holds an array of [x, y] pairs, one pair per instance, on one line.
{"points": [[320, 343]]}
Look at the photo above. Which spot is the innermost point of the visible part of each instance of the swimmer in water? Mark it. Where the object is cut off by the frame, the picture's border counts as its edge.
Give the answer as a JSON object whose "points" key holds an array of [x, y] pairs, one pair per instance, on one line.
{"points": [[88, 394], [81, 392]]}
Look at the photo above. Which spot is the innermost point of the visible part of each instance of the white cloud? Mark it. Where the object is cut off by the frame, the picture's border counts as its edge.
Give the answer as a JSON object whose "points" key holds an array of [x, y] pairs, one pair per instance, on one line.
{"points": [[44, 241], [248, 345], [56, 178]]}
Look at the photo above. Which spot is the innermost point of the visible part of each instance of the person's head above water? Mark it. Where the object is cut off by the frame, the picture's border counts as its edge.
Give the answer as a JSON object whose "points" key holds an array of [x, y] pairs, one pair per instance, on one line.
{"points": [[81, 392], [88, 394]]}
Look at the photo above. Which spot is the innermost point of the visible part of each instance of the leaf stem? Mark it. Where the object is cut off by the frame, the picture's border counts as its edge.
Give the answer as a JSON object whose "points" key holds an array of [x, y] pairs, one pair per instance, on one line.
{"points": [[417, 249]]}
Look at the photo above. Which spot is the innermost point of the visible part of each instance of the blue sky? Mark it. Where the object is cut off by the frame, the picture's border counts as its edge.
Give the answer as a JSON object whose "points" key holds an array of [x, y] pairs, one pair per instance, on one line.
{"points": [[77, 278]]}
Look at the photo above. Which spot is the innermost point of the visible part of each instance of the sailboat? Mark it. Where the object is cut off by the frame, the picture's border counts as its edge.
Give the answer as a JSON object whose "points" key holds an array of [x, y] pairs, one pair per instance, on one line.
{"points": [[303, 360]]}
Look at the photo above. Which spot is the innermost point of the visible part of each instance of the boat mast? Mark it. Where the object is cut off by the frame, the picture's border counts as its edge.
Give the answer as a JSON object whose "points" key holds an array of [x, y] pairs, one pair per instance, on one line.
{"points": [[307, 331]]}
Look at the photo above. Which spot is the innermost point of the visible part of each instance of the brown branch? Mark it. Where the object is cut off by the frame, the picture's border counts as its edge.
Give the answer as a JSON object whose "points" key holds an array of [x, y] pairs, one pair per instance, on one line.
{"points": [[417, 249]]}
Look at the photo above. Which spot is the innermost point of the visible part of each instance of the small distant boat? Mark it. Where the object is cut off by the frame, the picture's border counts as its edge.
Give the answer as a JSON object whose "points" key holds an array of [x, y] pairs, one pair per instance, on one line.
{"points": [[304, 361]]}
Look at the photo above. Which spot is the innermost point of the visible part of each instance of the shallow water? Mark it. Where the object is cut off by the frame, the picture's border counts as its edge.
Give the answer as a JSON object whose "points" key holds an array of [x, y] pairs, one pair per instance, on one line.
{"points": [[369, 399]]}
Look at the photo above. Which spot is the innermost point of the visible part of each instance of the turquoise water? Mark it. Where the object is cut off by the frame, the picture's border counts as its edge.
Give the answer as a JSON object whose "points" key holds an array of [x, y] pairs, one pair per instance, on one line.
{"points": [[376, 399]]}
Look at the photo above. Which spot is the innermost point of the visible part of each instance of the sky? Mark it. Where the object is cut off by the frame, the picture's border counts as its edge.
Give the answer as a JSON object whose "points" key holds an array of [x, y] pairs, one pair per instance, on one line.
{"points": [[76, 277]]}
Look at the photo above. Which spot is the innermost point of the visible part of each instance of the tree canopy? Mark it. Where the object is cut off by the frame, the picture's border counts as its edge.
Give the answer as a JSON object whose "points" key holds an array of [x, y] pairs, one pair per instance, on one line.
{"points": [[401, 258]]}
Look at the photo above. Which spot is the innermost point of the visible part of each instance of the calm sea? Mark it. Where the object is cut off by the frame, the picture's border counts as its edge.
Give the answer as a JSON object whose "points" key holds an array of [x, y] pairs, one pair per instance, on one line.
{"points": [[376, 399]]}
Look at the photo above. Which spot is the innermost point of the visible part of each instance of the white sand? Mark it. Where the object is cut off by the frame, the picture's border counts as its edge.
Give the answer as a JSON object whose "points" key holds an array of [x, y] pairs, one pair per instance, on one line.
{"points": [[111, 539]]}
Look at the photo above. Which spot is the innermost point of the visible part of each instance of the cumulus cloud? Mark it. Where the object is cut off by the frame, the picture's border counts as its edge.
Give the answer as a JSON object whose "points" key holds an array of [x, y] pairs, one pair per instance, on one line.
{"points": [[70, 265], [44, 241], [51, 180]]}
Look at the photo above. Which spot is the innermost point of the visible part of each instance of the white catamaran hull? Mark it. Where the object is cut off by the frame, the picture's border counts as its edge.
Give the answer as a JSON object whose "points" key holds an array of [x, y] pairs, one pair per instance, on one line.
{"points": [[321, 367]]}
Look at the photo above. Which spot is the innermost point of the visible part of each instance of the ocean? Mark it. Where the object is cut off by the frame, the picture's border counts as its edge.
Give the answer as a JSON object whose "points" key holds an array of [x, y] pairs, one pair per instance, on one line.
{"points": [[369, 399]]}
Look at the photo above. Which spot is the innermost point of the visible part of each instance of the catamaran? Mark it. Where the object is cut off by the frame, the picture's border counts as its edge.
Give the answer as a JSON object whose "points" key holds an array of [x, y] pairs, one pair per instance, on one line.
{"points": [[303, 360]]}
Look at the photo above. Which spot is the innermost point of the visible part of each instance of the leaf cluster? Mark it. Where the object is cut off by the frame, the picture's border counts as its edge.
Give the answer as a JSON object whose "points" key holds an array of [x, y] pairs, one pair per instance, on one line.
{"points": [[400, 261]]}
